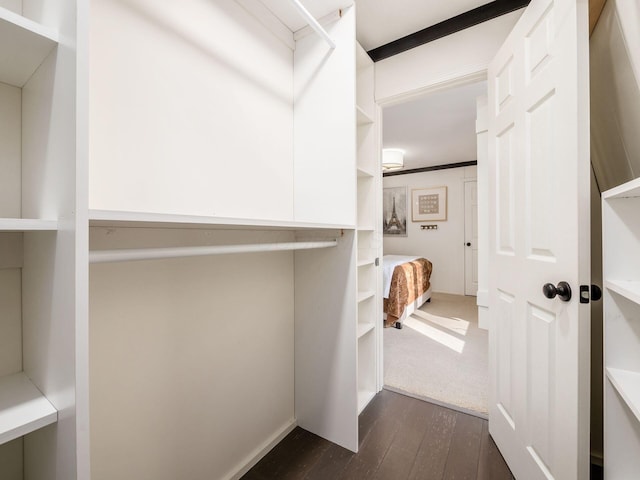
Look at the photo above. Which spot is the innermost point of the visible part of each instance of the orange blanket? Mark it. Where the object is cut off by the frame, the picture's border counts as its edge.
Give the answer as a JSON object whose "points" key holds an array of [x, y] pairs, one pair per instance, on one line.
{"points": [[409, 281]]}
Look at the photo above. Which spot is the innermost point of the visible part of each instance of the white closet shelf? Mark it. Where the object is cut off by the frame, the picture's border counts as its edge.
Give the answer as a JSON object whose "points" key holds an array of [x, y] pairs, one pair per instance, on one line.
{"points": [[26, 224], [626, 288], [110, 218], [626, 190], [363, 117], [365, 172], [362, 296], [364, 397], [627, 384], [24, 44], [366, 261], [23, 408], [364, 328]]}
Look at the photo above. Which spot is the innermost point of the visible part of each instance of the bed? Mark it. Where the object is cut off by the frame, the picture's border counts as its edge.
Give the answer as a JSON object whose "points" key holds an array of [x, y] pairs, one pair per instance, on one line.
{"points": [[405, 286]]}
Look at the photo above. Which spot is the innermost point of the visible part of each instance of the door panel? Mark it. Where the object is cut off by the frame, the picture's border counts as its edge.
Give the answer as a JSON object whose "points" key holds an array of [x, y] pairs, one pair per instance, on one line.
{"points": [[540, 203], [505, 209], [538, 142]]}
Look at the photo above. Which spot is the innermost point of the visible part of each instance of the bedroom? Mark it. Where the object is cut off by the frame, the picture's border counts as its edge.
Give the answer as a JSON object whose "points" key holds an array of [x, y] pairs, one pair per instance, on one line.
{"points": [[440, 354]]}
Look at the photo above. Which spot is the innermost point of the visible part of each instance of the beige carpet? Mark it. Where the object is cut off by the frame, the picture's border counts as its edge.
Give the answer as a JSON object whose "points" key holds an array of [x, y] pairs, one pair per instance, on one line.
{"points": [[440, 354]]}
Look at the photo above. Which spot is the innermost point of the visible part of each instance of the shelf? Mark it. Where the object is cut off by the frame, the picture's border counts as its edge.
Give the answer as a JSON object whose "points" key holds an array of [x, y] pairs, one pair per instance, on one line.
{"points": [[365, 173], [363, 117], [626, 288], [364, 328], [366, 261], [364, 397], [23, 408], [626, 190], [362, 296], [628, 386], [26, 225], [109, 218], [24, 45]]}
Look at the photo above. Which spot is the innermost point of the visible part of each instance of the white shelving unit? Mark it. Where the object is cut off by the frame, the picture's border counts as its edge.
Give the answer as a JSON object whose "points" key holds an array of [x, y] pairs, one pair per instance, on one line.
{"points": [[246, 155], [368, 179], [38, 256], [621, 268]]}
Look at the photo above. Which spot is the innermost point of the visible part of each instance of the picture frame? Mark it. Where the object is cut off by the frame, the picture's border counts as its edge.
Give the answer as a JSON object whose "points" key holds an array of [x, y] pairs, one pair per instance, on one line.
{"points": [[429, 204], [394, 211]]}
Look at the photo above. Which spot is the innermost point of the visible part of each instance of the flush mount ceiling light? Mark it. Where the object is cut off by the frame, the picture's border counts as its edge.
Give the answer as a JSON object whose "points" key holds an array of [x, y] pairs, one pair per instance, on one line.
{"points": [[392, 158]]}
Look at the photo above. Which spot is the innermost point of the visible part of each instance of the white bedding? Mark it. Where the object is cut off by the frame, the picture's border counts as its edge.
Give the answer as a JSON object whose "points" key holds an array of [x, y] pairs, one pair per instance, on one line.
{"points": [[389, 262]]}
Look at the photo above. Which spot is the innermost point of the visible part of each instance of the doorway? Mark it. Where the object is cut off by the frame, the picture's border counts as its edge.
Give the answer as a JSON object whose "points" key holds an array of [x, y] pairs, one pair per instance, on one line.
{"points": [[440, 355]]}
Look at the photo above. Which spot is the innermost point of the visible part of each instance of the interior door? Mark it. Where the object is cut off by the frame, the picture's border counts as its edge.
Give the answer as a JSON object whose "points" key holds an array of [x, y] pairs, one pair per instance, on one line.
{"points": [[471, 238], [538, 138]]}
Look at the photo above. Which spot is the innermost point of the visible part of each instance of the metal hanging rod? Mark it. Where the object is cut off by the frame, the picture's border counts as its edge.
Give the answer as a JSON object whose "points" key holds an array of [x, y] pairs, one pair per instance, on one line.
{"points": [[313, 23], [129, 255]]}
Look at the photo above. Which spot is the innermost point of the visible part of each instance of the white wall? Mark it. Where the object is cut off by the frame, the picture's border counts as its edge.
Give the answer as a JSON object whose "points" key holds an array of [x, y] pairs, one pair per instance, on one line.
{"points": [[191, 110], [192, 360], [444, 247], [464, 54]]}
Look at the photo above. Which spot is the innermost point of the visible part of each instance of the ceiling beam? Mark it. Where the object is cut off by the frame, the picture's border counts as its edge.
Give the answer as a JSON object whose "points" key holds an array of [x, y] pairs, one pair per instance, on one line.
{"points": [[455, 24], [432, 168]]}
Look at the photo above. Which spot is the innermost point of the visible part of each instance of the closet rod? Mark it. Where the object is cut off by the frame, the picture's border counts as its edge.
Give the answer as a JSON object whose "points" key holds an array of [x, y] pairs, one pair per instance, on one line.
{"points": [[129, 255], [313, 23]]}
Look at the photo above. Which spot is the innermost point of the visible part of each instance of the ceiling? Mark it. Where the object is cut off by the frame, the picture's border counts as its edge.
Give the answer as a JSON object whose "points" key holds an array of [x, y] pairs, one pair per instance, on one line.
{"points": [[381, 21], [437, 129]]}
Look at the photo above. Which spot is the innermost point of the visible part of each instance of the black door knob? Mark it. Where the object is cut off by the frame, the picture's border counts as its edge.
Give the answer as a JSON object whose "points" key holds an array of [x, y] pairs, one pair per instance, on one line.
{"points": [[563, 291], [596, 293], [468, 244]]}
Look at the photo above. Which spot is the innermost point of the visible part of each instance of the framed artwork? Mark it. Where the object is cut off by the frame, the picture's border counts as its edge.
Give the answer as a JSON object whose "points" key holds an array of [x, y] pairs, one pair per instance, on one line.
{"points": [[429, 204], [394, 211]]}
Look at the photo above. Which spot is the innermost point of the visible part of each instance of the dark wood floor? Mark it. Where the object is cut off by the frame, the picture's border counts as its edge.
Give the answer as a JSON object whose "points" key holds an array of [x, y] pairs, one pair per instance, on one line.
{"points": [[400, 438]]}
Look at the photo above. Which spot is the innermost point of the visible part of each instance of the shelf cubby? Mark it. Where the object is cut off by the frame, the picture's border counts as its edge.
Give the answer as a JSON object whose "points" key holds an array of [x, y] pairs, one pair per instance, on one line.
{"points": [[366, 369], [23, 408], [627, 384], [24, 44]]}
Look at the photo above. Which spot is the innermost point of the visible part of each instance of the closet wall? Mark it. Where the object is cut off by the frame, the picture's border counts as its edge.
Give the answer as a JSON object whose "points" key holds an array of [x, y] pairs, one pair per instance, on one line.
{"points": [[210, 115], [192, 360]]}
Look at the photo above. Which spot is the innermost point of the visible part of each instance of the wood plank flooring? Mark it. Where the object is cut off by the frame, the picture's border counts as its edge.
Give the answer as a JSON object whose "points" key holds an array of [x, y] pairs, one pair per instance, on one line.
{"points": [[400, 438]]}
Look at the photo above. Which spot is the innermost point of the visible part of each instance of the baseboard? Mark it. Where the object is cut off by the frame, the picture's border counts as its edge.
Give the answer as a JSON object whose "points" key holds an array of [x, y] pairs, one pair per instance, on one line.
{"points": [[484, 321], [450, 406], [482, 298], [257, 455]]}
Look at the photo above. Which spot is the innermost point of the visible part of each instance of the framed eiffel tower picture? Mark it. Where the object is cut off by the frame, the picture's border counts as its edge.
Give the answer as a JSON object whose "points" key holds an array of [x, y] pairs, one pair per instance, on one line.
{"points": [[394, 211]]}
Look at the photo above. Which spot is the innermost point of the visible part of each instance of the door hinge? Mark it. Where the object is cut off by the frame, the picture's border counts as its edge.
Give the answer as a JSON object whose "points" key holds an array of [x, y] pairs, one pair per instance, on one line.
{"points": [[377, 261]]}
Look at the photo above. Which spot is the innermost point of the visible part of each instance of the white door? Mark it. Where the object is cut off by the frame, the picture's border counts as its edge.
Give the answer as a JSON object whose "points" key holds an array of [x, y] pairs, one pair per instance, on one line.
{"points": [[471, 238], [538, 140]]}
